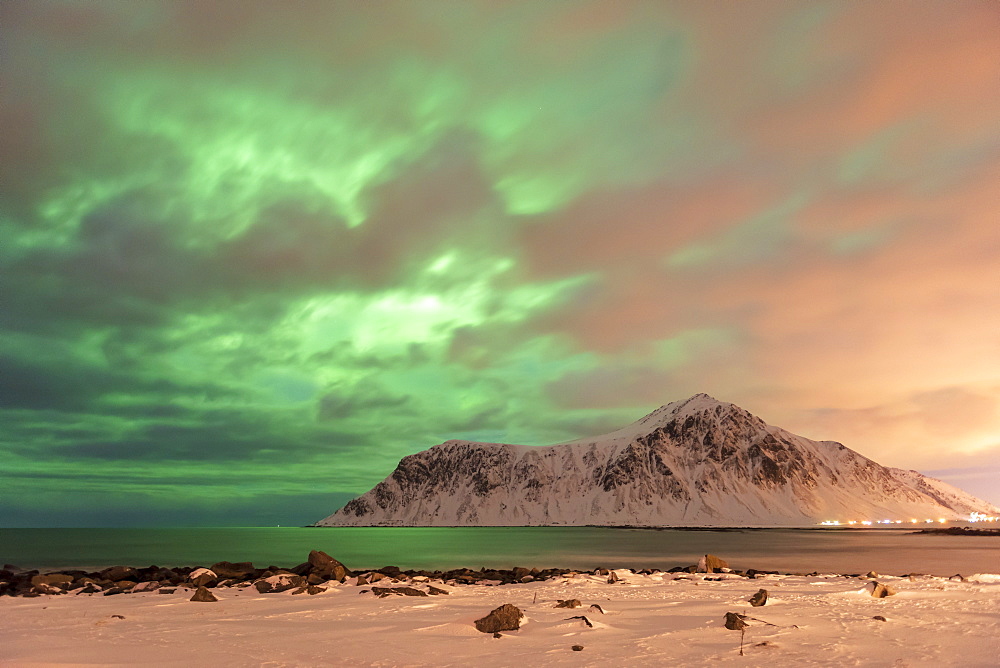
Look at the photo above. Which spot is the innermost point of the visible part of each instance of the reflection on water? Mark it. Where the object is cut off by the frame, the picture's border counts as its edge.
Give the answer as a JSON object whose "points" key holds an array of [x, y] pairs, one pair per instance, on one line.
{"points": [[794, 550]]}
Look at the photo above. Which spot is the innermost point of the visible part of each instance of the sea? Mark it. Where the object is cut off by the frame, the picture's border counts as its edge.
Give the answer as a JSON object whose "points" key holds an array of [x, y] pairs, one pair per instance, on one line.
{"points": [[834, 550]]}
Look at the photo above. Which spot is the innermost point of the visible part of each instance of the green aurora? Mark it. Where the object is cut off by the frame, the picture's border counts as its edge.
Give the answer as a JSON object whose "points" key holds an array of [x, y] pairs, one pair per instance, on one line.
{"points": [[253, 253]]}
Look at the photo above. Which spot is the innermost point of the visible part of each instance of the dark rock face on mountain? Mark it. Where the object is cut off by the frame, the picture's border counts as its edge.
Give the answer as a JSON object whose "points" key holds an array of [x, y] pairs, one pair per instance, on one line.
{"points": [[698, 461]]}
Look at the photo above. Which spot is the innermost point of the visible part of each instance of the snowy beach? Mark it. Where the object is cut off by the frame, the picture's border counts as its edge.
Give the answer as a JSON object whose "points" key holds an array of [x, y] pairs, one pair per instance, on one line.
{"points": [[641, 620]]}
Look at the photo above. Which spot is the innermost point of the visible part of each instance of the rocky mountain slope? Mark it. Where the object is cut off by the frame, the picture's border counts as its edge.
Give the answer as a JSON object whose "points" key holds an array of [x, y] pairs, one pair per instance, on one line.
{"points": [[693, 462]]}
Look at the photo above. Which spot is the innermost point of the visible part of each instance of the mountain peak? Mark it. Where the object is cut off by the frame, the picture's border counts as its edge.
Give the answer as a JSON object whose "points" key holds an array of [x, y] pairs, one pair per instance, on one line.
{"points": [[694, 461], [694, 405]]}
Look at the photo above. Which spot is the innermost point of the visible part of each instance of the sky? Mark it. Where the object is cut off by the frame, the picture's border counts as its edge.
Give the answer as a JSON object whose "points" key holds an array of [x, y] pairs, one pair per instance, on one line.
{"points": [[253, 253]]}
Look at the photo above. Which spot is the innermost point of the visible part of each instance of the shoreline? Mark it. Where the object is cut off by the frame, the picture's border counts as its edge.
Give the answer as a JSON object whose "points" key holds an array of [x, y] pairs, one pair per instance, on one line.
{"points": [[569, 618], [321, 569]]}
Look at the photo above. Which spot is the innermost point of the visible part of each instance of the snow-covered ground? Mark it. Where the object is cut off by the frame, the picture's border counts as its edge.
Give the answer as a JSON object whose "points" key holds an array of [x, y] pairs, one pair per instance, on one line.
{"points": [[648, 620]]}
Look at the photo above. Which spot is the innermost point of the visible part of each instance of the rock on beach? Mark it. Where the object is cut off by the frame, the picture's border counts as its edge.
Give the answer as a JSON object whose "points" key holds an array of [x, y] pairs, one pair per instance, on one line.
{"points": [[505, 618]]}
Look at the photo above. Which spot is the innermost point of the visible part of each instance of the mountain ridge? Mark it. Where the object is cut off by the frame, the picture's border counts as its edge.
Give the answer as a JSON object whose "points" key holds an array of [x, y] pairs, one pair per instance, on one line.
{"points": [[697, 461]]}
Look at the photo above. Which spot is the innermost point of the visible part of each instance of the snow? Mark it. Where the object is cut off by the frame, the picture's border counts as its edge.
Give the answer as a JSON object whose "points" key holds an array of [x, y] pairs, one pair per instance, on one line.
{"points": [[648, 620]]}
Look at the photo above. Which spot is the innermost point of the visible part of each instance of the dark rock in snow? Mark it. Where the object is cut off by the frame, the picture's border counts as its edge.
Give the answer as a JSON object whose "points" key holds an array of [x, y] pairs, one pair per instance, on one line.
{"points": [[759, 599], [310, 589], [586, 621], [203, 595], [505, 618], [612, 577], [735, 621], [435, 591], [577, 648], [569, 603], [597, 608], [382, 592], [879, 618]]}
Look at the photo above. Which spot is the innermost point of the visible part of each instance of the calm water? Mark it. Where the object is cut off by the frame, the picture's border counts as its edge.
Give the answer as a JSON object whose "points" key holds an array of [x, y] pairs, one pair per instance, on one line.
{"points": [[840, 551]]}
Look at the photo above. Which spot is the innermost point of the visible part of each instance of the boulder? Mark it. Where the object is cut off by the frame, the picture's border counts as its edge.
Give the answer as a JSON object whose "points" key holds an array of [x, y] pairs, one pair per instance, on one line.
{"points": [[382, 592], [612, 577], [363, 580], [53, 583], [711, 564], [203, 577], [325, 565], [237, 571], [116, 573], [146, 586], [505, 618], [597, 608], [435, 591], [315, 578], [203, 595], [577, 648], [879, 590], [759, 599], [51, 579], [735, 621], [305, 568]]}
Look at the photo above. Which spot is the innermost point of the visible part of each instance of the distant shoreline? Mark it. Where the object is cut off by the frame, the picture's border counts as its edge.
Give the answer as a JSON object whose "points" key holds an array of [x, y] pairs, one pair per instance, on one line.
{"points": [[951, 531]]}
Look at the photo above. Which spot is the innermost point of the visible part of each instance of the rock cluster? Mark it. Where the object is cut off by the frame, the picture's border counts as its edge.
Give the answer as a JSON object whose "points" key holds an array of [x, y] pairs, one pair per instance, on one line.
{"points": [[304, 578], [307, 577]]}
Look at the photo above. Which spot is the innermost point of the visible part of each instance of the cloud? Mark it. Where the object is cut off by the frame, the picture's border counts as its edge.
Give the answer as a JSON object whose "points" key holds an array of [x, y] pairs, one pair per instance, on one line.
{"points": [[330, 234]]}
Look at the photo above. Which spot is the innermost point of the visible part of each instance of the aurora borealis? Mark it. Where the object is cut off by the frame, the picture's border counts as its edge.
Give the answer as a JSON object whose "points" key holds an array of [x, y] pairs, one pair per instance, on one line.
{"points": [[252, 253]]}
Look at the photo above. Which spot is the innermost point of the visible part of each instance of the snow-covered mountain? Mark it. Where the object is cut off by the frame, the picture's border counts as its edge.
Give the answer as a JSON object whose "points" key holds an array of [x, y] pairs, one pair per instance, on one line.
{"points": [[693, 462]]}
